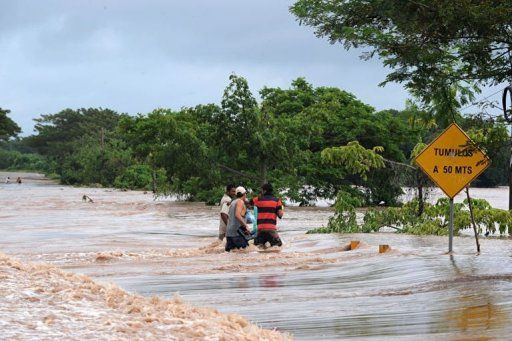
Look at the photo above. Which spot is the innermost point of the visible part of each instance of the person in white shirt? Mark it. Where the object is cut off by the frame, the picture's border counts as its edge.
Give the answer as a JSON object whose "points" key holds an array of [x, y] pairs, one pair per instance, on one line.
{"points": [[224, 209]]}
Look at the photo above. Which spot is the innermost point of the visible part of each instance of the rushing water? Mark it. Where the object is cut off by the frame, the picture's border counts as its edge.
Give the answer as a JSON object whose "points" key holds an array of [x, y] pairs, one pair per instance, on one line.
{"points": [[313, 289]]}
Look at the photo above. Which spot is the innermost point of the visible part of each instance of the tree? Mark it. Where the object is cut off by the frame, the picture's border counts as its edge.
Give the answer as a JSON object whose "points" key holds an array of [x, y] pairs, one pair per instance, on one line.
{"points": [[352, 159], [234, 128], [95, 163], [335, 118], [431, 46], [251, 138], [61, 135], [442, 51], [57, 132], [8, 128], [199, 149], [492, 136], [169, 140]]}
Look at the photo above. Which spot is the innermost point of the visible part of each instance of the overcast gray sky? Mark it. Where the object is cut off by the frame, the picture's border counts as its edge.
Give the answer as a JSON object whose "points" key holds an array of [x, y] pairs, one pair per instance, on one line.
{"points": [[135, 56]]}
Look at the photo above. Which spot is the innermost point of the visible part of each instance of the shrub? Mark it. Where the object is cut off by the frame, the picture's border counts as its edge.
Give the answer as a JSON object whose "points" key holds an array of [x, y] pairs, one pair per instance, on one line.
{"points": [[433, 221], [15, 160], [140, 177]]}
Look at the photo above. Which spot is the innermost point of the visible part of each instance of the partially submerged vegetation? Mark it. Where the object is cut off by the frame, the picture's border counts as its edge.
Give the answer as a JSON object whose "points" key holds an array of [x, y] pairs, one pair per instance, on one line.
{"points": [[405, 219], [310, 142]]}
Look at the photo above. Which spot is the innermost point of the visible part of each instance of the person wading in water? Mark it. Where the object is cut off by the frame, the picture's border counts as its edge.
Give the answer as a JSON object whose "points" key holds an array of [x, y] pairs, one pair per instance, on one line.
{"points": [[236, 222], [269, 209], [224, 210]]}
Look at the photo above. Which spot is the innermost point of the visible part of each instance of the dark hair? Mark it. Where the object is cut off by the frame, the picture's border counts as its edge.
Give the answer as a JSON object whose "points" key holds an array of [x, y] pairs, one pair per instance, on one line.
{"points": [[267, 188], [229, 187], [239, 195]]}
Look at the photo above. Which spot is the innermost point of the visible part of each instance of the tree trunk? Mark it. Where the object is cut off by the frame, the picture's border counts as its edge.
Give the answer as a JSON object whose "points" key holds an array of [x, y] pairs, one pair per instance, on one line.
{"points": [[421, 201], [263, 172], [153, 178], [473, 220]]}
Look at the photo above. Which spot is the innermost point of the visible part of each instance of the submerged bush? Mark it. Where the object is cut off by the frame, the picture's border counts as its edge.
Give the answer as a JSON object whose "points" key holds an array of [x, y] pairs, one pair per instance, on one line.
{"points": [[15, 160], [344, 219], [141, 177], [194, 189], [433, 221]]}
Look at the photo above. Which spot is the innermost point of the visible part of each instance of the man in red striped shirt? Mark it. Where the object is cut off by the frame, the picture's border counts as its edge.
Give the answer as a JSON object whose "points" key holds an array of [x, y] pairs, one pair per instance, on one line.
{"points": [[269, 209]]}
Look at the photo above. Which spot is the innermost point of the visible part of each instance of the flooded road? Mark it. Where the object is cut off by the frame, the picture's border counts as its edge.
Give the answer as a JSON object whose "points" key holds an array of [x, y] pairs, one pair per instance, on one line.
{"points": [[313, 289]]}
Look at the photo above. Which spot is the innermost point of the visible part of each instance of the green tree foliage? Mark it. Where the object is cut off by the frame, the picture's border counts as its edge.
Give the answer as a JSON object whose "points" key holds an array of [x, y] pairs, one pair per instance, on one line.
{"points": [[354, 158], [15, 160], [141, 177], [419, 179], [291, 138], [324, 117], [236, 129], [259, 140], [344, 219], [81, 145], [58, 134], [429, 45], [8, 128], [491, 135], [279, 140], [95, 163], [169, 140], [204, 147]]}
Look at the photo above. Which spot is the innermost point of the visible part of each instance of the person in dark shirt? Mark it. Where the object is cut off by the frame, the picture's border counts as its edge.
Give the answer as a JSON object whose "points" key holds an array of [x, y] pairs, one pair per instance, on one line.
{"points": [[269, 209], [235, 239]]}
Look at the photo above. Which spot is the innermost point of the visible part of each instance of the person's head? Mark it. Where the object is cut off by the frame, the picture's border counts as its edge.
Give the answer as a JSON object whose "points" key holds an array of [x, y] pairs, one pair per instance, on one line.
{"points": [[267, 189], [230, 190], [240, 192]]}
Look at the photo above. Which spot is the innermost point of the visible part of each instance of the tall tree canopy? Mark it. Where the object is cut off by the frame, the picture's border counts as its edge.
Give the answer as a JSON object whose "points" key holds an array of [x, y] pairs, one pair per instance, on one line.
{"points": [[430, 45], [57, 132], [278, 140], [8, 128], [310, 142]]}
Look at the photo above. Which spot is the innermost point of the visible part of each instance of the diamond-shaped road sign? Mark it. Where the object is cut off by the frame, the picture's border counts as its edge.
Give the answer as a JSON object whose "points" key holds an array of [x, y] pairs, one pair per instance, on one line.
{"points": [[452, 160]]}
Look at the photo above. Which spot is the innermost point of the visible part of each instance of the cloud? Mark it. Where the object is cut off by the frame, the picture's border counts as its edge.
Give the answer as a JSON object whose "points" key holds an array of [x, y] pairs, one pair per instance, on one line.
{"points": [[134, 56]]}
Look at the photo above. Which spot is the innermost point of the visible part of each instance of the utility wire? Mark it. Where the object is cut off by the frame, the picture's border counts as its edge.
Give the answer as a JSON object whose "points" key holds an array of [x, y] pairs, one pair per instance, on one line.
{"points": [[480, 100]]}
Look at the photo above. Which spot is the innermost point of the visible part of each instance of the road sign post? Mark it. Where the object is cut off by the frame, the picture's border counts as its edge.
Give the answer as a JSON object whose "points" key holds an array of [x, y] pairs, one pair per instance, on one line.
{"points": [[452, 161], [450, 240]]}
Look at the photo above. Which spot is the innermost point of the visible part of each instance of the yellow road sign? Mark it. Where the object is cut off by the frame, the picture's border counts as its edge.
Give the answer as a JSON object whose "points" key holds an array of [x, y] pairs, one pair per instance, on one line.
{"points": [[452, 160]]}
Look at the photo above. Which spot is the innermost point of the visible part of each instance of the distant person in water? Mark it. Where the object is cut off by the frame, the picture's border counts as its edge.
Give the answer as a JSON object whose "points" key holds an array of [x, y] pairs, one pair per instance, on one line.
{"points": [[237, 222], [269, 209], [18, 180], [8, 180], [224, 209]]}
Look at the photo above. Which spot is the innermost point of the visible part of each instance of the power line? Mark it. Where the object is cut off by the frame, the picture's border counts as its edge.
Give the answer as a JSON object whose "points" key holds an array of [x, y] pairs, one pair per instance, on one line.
{"points": [[481, 100]]}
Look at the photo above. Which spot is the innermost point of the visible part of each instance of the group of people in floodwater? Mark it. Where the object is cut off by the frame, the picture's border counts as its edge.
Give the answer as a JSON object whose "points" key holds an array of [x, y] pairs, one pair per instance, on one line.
{"points": [[8, 180], [234, 211]]}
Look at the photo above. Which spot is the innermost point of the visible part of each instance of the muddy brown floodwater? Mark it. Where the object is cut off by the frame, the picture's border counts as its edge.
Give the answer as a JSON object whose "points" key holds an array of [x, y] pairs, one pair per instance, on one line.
{"points": [[313, 289]]}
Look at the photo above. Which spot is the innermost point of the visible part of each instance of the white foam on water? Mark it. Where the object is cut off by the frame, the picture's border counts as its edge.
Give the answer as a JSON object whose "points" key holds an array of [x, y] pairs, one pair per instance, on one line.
{"points": [[41, 301]]}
